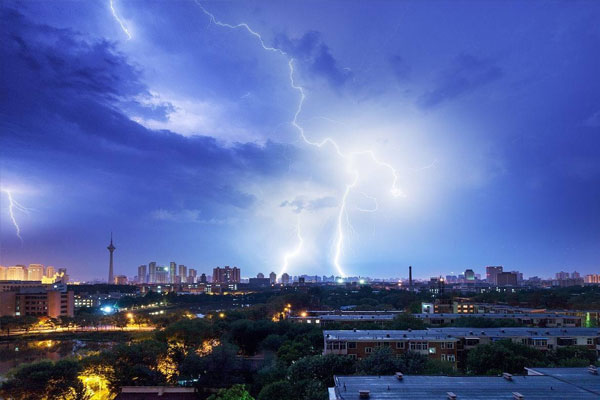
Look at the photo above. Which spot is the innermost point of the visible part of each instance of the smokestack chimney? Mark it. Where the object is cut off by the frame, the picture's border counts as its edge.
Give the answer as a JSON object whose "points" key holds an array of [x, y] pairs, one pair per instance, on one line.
{"points": [[410, 278]]}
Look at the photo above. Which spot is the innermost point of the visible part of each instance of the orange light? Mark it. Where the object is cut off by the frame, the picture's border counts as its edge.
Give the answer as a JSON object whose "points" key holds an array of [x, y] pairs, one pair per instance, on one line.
{"points": [[130, 315], [303, 314], [221, 315]]}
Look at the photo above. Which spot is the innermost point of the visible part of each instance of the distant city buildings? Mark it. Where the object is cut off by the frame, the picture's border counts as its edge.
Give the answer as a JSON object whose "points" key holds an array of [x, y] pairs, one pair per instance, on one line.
{"points": [[491, 273], [33, 273], [273, 278], [226, 275]]}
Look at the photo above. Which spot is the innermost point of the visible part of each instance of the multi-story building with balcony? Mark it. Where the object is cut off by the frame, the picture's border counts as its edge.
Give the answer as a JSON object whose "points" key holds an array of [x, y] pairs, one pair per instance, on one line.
{"points": [[359, 344]]}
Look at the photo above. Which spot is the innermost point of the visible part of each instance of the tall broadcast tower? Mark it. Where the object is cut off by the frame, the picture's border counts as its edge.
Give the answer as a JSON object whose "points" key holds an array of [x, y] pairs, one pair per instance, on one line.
{"points": [[111, 248]]}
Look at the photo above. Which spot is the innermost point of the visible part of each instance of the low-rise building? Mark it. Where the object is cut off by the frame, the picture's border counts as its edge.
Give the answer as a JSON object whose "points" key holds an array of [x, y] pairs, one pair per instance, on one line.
{"points": [[580, 384], [549, 320], [36, 301], [359, 344]]}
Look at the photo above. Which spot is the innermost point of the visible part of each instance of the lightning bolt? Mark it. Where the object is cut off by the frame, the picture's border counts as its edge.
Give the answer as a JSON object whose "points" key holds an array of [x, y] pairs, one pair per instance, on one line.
{"points": [[350, 157], [123, 27], [13, 206], [291, 254]]}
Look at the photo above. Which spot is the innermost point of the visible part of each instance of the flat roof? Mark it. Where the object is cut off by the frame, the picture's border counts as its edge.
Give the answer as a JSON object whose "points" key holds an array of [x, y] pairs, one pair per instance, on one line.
{"points": [[386, 335], [580, 377], [452, 333], [465, 387], [352, 317], [496, 315]]}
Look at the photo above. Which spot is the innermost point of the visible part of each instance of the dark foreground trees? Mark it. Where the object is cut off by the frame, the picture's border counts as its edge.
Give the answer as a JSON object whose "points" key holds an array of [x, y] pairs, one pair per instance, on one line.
{"points": [[45, 380]]}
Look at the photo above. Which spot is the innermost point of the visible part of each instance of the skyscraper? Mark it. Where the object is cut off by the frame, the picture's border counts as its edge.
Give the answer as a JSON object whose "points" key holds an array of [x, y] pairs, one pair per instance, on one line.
{"points": [[183, 273], [172, 271], [152, 272], [192, 276], [491, 274], [273, 278], [35, 272], [142, 274], [285, 278], [260, 275], [111, 248], [50, 271], [203, 278]]}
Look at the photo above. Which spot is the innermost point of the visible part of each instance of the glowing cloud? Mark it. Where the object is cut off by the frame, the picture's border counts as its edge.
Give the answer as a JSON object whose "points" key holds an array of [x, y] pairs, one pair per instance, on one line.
{"points": [[350, 157]]}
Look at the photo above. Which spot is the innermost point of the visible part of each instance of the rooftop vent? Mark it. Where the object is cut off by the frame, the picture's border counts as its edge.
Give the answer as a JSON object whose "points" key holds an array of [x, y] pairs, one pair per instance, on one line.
{"points": [[593, 370], [518, 396], [328, 335], [364, 394], [502, 330], [404, 335], [507, 376], [410, 330], [399, 376], [354, 330], [451, 396], [387, 335]]}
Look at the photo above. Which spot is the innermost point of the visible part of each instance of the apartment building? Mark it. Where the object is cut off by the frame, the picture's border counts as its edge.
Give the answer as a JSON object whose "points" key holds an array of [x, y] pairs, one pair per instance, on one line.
{"points": [[451, 344], [550, 320], [359, 344], [344, 319]]}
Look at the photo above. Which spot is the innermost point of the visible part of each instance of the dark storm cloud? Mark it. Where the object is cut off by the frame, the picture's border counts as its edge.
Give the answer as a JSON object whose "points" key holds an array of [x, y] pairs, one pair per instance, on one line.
{"points": [[315, 55], [466, 75], [74, 123]]}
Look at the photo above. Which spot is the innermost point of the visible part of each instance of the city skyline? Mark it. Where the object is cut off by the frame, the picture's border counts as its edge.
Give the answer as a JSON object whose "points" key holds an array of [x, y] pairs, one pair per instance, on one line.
{"points": [[244, 135]]}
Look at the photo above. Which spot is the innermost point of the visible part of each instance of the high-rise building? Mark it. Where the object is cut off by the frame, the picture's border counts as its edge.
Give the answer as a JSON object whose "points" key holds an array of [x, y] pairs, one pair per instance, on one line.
{"points": [[172, 271], [575, 275], [273, 278], [506, 279], [562, 275], [111, 248], [260, 275], [2, 273], [16, 273], [35, 272], [183, 272], [50, 271], [142, 274], [192, 273], [226, 275], [162, 274], [203, 278], [491, 273], [593, 278], [120, 280], [285, 278], [152, 272], [469, 275]]}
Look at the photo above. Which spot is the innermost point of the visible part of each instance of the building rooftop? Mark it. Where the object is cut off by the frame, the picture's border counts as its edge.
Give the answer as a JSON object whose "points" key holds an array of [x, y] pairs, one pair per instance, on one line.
{"points": [[465, 388], [580, 377], [386, 335], [351, 317], [495, 315], [451, 333]]}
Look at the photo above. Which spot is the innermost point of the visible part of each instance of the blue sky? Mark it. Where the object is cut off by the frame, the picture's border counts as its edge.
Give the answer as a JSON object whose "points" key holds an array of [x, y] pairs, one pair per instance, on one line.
{"points": [[468, 134]]}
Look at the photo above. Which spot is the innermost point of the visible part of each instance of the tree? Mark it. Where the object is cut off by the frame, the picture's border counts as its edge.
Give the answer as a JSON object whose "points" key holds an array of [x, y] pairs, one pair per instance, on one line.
{"points": [[236, 392], [382, 361], [45, 380], [321, 368], [135, 364], [277, 390], [406, 321], [502, 356], [7, 323]]}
